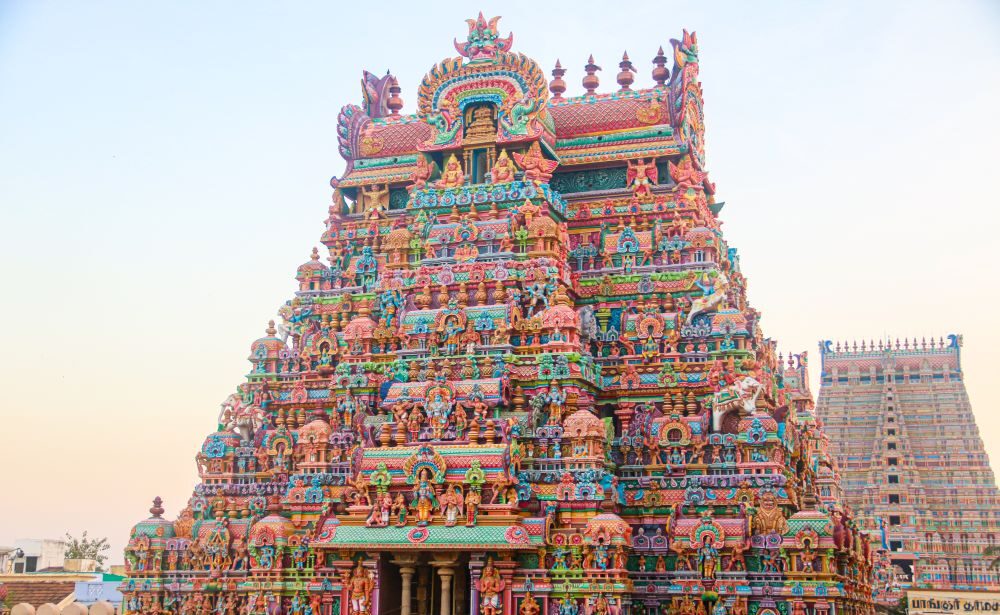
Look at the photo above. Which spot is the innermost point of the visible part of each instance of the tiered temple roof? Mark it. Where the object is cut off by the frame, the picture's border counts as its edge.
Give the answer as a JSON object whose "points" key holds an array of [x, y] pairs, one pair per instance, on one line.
{"points": [[525, 379]]}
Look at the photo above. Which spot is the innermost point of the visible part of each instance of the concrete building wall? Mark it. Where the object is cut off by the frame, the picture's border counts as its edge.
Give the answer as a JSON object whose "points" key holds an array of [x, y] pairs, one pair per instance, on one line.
{"points": [[46, 553]]}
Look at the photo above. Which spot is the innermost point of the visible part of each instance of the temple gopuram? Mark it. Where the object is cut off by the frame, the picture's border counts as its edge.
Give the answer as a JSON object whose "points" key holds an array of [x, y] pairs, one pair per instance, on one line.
{"points": [[913, 463], [522, 377]]}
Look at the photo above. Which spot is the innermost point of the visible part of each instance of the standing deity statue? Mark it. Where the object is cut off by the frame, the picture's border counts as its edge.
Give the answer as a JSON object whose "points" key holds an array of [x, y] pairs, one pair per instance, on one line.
{"points": [[472, 501], [424, 499], [438, 413], [399, 510], [360, 585], [708, 557], [451, 505], [568, 606], [490, 586]]}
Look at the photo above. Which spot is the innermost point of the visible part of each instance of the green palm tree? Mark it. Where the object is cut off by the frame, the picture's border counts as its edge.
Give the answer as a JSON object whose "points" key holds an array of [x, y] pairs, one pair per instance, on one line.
{"points": [[993, 552]]}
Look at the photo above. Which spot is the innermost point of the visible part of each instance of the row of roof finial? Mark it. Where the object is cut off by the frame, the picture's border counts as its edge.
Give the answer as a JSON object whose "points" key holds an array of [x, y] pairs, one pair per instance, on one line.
{"points": [[893, 344], [794, 359], [625, 78], [626, 75]]}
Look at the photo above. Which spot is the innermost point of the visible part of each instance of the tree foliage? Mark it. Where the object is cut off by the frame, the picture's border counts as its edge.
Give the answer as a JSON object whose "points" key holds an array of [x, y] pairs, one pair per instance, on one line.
{"points": [[901, 608], [87, 548]]}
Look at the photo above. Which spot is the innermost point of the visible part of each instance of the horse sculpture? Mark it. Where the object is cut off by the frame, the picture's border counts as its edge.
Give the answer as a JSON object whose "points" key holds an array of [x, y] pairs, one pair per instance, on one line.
{"points": [[713, 294]]}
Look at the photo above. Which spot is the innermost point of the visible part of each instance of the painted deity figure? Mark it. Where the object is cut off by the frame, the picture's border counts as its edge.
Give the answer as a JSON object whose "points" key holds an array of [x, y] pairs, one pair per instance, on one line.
{"points": [[479, 408], [376, 200], [601, 558], [687, 606], [713, 294], [642, 176], [472, 501], [568, 606], [360, 587], [555, 398], [399, 410], [360, 485], [529, 606], [808, 559], [769, 518], [461, 420], [687, 173], [451, 506], [399, 510], [265, 558], [438, 411], [413, 423], [379, 516], [452, 175], [503, 169], [536, 167], [452, 336], [422, 173], [424, 499], [346, 407], [490, 586], [502, 491], [708, 557], [300, 556], [737, 561], [768, 561]]}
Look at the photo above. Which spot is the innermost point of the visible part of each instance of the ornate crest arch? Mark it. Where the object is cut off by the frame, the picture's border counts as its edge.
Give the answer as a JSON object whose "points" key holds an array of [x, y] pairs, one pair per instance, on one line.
{"points": [[511, 82]]}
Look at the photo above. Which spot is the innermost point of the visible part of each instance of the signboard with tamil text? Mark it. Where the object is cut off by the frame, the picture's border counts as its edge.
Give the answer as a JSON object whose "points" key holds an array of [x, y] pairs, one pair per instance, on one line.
{"points": [[927, 602]]}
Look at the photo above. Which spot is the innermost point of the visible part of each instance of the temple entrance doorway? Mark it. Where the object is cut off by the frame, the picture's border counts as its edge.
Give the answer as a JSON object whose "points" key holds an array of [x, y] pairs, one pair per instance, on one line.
{"points": [[424, 584]]}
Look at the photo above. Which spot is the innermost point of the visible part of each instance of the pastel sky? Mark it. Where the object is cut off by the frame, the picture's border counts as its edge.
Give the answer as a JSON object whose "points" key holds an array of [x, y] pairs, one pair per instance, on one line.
{"points": [[165, 169]]}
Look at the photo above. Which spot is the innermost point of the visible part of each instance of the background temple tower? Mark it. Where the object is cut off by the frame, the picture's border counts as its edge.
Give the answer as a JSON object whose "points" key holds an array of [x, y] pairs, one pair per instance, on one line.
{"points": [[911, 459]]}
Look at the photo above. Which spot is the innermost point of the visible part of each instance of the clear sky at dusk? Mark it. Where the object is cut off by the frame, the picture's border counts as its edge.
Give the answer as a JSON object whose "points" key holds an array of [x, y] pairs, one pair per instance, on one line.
{"points": [[165, 169]]}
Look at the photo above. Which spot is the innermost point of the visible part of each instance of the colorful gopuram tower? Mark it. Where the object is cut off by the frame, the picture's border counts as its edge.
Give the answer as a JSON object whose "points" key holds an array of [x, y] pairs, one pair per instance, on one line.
{"points": [[911, 458], [524, 380]]}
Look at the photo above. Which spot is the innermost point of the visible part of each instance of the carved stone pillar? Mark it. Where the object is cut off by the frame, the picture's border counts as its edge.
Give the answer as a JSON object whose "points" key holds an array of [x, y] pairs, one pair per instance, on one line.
{"points": [[407, 567], [446, 573], [406, 573]]}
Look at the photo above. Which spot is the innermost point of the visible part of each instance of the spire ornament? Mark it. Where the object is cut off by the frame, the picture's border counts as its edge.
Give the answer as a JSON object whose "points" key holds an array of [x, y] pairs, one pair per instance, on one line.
{"points": [[627, 75], [591, 80], [557, 86], [660, 71], [484, 42], [157, 509]]}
